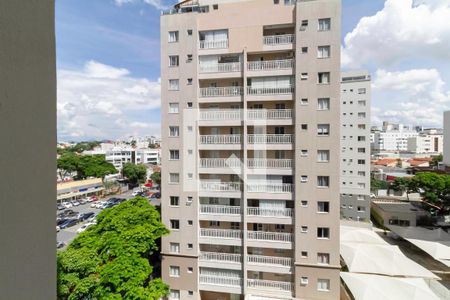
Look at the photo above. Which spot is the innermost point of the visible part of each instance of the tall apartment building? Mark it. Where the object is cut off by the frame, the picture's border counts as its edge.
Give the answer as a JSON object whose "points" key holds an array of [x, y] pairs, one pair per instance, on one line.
{"points": [[250, 135], [355, 146]]}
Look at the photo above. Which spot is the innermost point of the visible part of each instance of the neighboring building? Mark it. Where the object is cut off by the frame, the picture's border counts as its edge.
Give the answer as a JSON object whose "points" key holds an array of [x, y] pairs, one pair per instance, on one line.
{"points": [[237, 226], [426, 143], [355, 146], [446, 151], [72, 190], [392, 137], [396, 212], [118, 155]]}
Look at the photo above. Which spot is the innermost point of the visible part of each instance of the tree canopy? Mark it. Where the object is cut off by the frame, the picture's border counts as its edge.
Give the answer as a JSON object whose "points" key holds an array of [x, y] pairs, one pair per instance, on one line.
{"points": [[79, 147], [86, 165], [135, 173], [112, 260], [156, 177]]}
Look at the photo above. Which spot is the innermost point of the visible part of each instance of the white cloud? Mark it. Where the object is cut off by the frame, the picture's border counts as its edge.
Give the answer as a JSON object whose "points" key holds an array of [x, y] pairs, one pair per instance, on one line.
{"points": [[410, 97], [403, 29], [101, 101], [158, 4]]}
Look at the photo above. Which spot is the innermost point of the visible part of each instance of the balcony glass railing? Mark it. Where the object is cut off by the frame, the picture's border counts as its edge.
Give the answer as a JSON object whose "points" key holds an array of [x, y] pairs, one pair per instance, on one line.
{"points": [[270, 236], [220, 139], [270, 187], [221, 233], [270, 212], [270, 91], [270, 285], [227, 91], [282, 39], [270, 138], [220, 44], [220, 67], [220, 280], [269, 65], [220, 186], [220, 257], [208, 209]]}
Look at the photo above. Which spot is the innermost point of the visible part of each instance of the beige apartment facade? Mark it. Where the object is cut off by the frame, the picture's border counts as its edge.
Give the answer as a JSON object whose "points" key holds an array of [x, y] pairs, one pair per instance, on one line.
{"points": [[250, 141]]}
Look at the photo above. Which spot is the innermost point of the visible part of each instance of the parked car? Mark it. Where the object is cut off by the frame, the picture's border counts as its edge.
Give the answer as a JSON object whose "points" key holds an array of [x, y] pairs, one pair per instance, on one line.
{"points": [[85, 216], [97, 204], [75, 203], [60, 221], [60, 245], [92, 219], [156, 195], [68, 223], [93, 198], [82, 201], [59, 206], [67, 204], [135, 193], [84, 227], [108, 205]]}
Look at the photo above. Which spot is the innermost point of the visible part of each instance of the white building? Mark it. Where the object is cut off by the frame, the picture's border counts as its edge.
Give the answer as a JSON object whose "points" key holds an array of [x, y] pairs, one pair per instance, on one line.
{"points": [[118, 155], [426, 143], [355, 146], [393, 137], [446, 149]]}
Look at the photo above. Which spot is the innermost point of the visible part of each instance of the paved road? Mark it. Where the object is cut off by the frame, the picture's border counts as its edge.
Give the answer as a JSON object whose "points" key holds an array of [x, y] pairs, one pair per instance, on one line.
{"points": [[68, 234]]}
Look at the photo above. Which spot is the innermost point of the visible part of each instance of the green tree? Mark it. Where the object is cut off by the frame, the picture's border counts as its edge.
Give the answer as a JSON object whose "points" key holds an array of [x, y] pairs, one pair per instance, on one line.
{"points": [[94, 166], [434, 187], [134, 173], [156, 177], [113, 259], [436, 160], [403, 184], [67, 163], [376, 184]]}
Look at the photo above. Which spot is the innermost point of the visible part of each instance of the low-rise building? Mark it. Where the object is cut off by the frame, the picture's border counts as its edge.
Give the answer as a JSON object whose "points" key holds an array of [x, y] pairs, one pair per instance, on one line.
{"points": [[426, 143], [395, 212], [119, 155], [72, 190]]}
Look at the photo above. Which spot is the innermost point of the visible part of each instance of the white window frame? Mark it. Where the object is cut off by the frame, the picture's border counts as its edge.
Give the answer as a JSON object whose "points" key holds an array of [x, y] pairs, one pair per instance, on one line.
{"points": [[323, 155], [174, 84], [323, 104], [174, 154], [174, 60], [323, 258], [175, 247], [174, 271], [324, 24], [174, 108], [324, 51], [323, 285], [323, 230], [173, 178], [323, 179], [174, 131], [173, 36]]}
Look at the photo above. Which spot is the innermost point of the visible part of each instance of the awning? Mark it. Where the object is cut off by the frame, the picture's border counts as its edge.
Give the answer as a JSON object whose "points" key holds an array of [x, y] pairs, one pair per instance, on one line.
{"points": [[375, 287]]}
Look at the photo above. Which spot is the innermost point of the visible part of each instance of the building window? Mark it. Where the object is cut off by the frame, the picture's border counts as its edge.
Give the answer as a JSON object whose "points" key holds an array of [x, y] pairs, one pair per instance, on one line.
{"points": [[190, 246], [323, 285], [362, 102], [303, 178], [323, 232], [361, 115], [235, 225], [303, 280], [174, 201], [174, 131], [323, 129], [173, 61], [173, 36], [189, 200], [215, 6], [175, 247], [304, 126], [175, 224], [174, 84], [323, 77], [304, 50], [323, 181], [174, 154], [323, 258], [304, 254], [174, 295], [304, 76], [324, 24], [323, 155], [174, 108], [323, 104], [323, 206], [189, 58], [361, 138], [304, 203], [191, 293], [189, 104], [189, 81], [189, 31], [174, 271], [304, 229], [361, 209], [174, 178], [190, 269], [361, 161], [304, 101], [276, 1], [304, 152], [362, 91], [323, 52], [214, 224]]}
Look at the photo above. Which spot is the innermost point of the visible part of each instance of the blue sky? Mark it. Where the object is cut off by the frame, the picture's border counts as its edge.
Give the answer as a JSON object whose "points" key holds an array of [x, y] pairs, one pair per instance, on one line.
{"points": [[108, 62]]}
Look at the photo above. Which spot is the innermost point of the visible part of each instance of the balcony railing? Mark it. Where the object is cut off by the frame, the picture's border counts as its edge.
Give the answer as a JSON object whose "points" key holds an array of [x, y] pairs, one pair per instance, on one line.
{"points": [[220, 257], [220, 115], [270, 212], [270, 236], [268, 65], [221, 233], [282, 39], [262, 163], [220, 186], [219, 209], [221, 67], [270, 138], [270, 187], [270, 91], [220, 163], [270, 285], [220, 139], [227, 91], [220, 280], [269, 114], [220, 44], [270, 260]]}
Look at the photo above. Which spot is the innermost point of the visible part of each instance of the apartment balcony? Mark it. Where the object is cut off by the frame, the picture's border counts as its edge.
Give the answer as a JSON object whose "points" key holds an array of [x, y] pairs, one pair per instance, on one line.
{"points": [[282, 93], [270, 141], [220, 165], [220, 213], [270, 215], [269, 187], [227, 142], [220, 70], [220, 260], [266, 239], [261, 263], [216, 94], [270, 67], [219, 44], [270, 287], [279, 42], [225, 189], [215, 236], [234, 117], [221, 284]]}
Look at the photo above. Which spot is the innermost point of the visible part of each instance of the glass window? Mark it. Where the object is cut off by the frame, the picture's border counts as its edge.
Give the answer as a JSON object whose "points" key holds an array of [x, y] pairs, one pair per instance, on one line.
{"points": [[323, 103], [323, 284], [175, 224], [173, 61], [323, 51], [323, 181], [174, 200], [175, 247], [174, 178], [362, 91], [323, 129], [323, 232], [174, 271], [324, 24], [323, 258], [323, 77], [323, 155], [174, 294], [323, 206], [174, 84], [173, 36], [174, 131], [174, 154], [174, 108]]}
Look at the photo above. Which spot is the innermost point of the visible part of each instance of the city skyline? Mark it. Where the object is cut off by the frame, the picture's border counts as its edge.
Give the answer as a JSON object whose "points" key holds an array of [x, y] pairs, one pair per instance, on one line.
{"points": [[409, 87]]}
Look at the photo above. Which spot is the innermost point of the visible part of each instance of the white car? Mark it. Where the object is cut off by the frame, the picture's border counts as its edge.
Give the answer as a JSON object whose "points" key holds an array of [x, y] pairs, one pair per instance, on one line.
{"points": [[67, 205], [84, 227], [100, 204], [75, 203]]}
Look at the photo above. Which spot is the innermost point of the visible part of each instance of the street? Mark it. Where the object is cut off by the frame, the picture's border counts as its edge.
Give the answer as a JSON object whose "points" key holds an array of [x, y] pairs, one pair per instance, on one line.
{"points": [[68, 234]]}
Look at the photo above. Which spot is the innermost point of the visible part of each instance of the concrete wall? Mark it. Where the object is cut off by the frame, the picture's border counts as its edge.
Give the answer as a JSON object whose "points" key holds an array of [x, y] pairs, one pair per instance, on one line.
{"points": [[28, 143]]}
